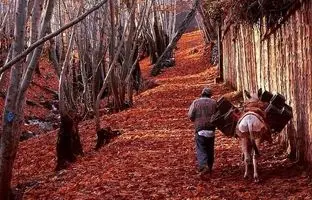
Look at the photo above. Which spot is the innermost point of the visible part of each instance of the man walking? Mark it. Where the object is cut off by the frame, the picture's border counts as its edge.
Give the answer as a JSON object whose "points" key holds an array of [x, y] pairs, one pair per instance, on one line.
{"points": [[200, 113]]}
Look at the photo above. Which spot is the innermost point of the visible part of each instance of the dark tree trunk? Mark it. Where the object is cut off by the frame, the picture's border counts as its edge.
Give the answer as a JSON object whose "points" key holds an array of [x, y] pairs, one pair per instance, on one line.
{"points": [[209, 26], [115, 92], [220, 56], [37, 69], [76, 83], [104, 136], [137, 76], [152, 50], [161, 42], [68, 142], [98, 82]]}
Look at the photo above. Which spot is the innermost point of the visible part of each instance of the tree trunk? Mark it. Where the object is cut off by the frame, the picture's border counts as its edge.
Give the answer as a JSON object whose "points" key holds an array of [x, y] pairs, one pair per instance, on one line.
{"points": [[115, 92], [20, 56], [53, 54], [209, 29], [105, 82], [220, 56], [68, 142], [133, 79], [160, 62], [13, 115], [33, 63], [36, 9], [5, 75], [152, 49]]}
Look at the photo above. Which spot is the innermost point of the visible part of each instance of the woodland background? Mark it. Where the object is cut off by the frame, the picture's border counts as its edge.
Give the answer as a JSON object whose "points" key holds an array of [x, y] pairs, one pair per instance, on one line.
{"points": [[85, 70]]}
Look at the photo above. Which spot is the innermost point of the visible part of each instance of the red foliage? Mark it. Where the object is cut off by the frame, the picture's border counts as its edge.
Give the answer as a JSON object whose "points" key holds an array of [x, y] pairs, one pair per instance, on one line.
{"points": [[154, 158], [36, 93]]}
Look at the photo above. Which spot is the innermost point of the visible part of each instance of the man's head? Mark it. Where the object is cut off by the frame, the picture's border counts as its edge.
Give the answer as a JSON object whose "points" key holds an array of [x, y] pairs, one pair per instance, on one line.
{"points": [[206, 92]]}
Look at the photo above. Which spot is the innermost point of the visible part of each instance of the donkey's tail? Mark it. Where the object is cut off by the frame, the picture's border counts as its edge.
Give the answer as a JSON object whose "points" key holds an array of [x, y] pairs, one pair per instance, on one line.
{"points": [[252, 138]]}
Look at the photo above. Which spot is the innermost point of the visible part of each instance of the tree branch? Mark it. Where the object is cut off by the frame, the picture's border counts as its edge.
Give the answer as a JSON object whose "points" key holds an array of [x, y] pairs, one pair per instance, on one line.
{"points": [[51, 35]]}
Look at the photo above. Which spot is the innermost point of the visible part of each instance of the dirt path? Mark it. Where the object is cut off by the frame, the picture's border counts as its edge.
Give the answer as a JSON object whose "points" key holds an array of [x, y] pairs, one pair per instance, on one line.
{"points": [[154, 158]]}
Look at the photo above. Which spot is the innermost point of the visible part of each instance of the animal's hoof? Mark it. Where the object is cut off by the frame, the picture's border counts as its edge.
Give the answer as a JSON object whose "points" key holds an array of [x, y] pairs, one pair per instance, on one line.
{"points": [[245, 176], [256, 180]]}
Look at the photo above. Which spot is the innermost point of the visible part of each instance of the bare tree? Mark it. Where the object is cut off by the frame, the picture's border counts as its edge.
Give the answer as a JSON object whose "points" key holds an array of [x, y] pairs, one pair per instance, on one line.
{"points": [[13, 111], [20, 79], [128, 61], [102, 55], [35, 9], [207, 23], [6, 35], [126, 31], [160, 28], [12, 117], [49, 36], [68, 142], [161, 61]]}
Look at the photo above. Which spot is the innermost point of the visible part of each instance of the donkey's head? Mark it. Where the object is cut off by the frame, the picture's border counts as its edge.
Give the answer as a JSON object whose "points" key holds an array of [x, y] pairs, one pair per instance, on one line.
{"points": [[253, 97]]}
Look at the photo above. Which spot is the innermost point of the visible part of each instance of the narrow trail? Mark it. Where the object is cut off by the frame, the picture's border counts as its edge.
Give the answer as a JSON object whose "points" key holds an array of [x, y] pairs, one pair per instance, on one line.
{"points": [[154, 158]]}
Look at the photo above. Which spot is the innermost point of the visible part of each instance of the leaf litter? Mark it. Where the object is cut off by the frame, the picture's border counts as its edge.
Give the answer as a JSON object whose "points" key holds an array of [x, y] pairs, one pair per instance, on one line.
{"points": [[154, 158]]}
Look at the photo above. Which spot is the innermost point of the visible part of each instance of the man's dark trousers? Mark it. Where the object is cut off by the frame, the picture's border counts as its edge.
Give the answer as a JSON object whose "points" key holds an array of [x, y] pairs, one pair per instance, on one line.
{"points": [[205, 150]]}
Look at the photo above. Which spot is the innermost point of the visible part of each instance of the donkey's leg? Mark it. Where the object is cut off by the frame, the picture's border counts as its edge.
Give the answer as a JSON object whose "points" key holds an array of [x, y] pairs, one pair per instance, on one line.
{"points": [[255, 164], [256, 177], [246, 152]]}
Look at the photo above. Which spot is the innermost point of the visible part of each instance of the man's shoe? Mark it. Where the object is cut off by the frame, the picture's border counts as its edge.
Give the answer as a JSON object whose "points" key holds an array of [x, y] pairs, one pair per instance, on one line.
{"points": [[203, 170], [209, 170]]}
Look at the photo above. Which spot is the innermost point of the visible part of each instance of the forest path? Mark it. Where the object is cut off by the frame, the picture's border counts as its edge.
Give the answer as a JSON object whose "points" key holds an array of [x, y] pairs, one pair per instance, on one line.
{"points": [[154, 158]]}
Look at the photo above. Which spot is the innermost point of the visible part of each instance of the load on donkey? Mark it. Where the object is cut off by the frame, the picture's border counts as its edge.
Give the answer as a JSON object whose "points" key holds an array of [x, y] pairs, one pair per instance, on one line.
{"points": [[261, 115]]}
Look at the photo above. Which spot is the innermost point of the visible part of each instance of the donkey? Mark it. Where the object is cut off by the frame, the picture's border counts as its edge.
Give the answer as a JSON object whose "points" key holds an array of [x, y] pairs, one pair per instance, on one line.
{"points": [[252, 129]]}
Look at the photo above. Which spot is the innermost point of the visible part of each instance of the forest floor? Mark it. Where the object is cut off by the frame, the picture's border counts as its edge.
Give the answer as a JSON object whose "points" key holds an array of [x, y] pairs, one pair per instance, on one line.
{"points": [[41, 93], [154, 158]]}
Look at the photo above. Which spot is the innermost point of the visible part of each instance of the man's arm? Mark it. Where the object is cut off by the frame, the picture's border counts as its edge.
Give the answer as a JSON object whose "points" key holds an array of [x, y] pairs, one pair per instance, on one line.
{"points": [[213, 110], [191, 112], [215, 106]]}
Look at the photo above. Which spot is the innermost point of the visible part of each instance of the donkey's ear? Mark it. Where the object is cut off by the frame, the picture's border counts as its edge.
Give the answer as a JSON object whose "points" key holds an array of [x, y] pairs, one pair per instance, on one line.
{"points": [[247, 94], [260, 92]]}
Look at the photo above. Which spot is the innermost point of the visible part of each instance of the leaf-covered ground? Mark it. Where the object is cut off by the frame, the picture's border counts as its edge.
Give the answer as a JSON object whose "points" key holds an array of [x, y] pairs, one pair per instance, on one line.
{"points": [[42, 89], [154, 158]]}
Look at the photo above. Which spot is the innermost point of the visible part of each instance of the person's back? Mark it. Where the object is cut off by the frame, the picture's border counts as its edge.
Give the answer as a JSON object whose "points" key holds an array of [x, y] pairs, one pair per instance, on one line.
{"points": [[201, 111]]}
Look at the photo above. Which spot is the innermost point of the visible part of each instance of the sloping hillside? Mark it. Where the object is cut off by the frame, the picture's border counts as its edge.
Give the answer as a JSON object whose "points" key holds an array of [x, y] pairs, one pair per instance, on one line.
{"points": [[154, 158], [41, 94]]}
